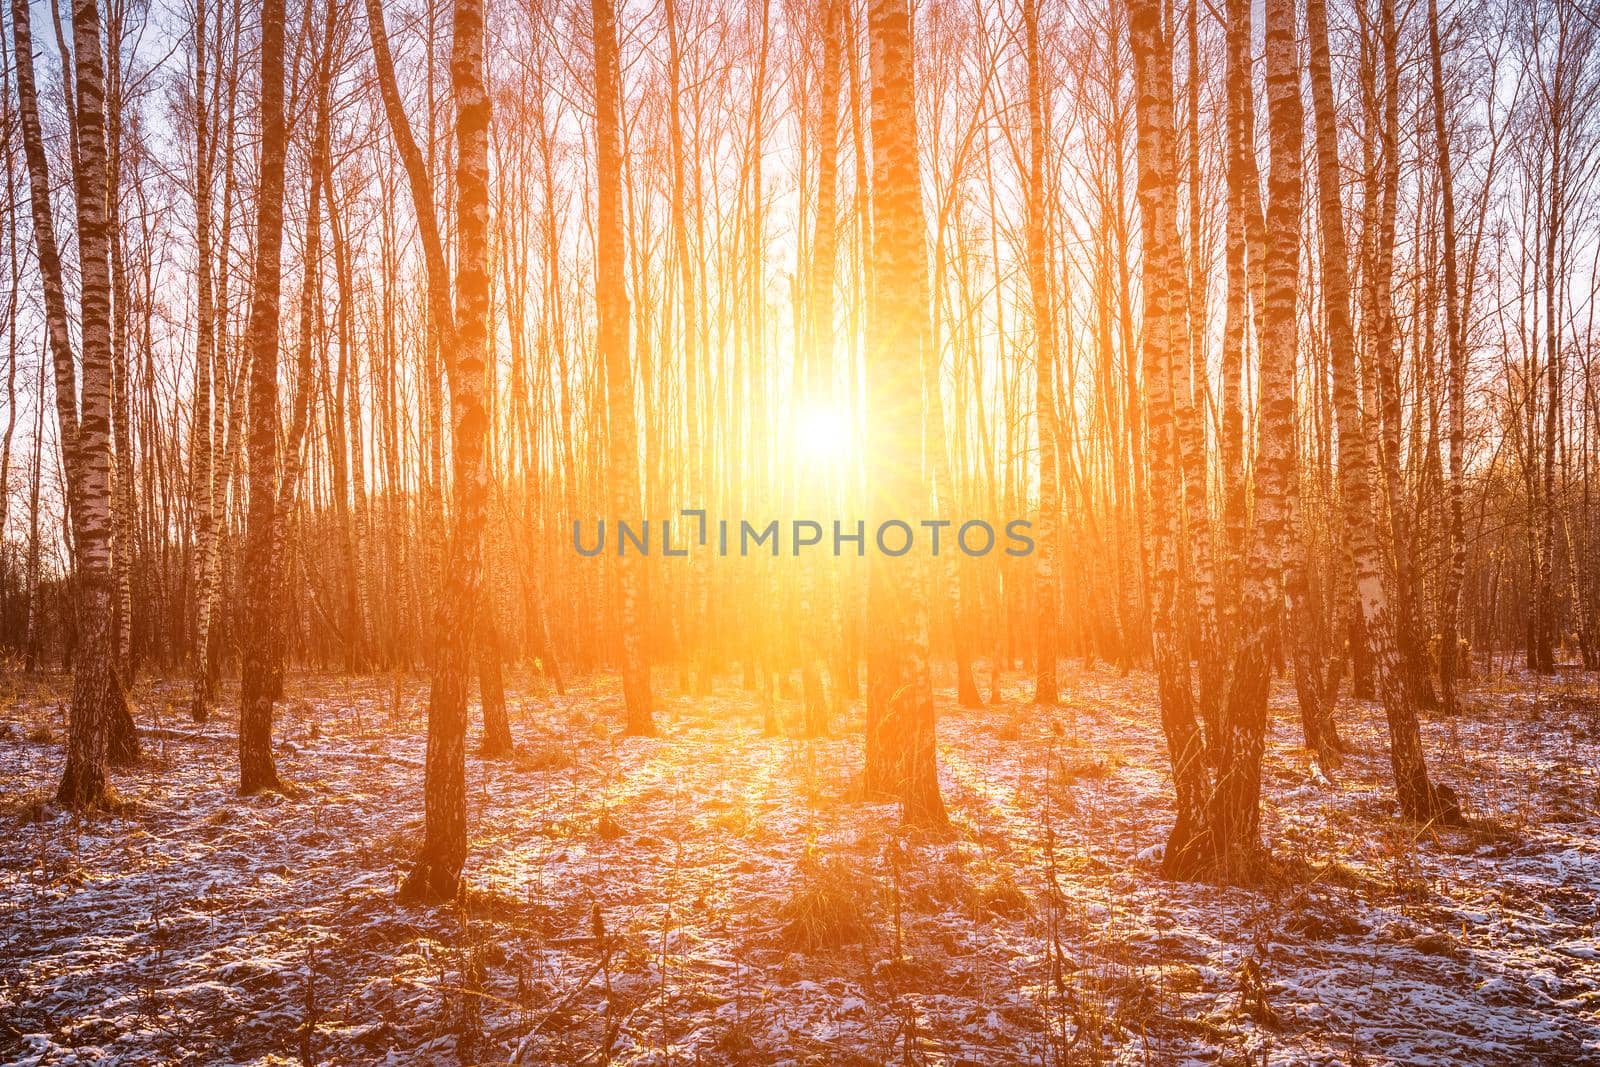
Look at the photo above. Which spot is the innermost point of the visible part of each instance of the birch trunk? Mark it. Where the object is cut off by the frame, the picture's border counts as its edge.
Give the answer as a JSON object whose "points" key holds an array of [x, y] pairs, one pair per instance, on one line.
{"points": [[435, 877], [202, 490], [1234, 811], [303, 410], [900, 749], [1456, 389], [612, 301], [1385, 359], [1418, 799], [258, 770], [1045, 579], [99, 707], [1189, 844], [818, 607]]}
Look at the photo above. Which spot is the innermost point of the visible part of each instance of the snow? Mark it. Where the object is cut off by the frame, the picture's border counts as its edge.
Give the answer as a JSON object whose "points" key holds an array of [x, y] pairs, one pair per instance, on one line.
{"points": [[201, 926]]}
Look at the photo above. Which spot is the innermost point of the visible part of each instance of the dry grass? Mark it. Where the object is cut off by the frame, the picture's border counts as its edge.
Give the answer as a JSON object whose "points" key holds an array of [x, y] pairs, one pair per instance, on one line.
{"points": [[543, 758], [831, 904], [999, 894]]}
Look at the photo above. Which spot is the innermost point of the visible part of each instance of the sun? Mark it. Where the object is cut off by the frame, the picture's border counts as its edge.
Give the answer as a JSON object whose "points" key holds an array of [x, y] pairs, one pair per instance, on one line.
{"points": [[821, 435]]}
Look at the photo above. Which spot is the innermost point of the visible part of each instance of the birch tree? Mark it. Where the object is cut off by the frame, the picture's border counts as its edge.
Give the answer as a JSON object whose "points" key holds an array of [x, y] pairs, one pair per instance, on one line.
{"points": [[901, 758], [99, 707], [258, 770]]}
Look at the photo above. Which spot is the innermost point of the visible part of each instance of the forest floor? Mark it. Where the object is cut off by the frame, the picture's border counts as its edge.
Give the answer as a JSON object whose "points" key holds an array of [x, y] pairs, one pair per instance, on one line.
{"points": [[717, 895]]}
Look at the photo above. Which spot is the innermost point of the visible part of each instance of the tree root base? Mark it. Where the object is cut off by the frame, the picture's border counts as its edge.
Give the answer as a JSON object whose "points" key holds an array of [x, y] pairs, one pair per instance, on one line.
{"points": [[430, 883]]}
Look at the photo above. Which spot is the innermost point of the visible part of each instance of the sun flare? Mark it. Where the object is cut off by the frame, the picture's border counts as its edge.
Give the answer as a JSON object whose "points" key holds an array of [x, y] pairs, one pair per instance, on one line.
{"points": [[540, 531], [822, 436]]}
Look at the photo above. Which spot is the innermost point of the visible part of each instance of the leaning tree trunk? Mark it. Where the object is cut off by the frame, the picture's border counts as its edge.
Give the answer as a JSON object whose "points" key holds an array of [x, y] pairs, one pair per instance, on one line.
{"points": [[435, 877], [901, 759], [304, 406], [257, 769]]}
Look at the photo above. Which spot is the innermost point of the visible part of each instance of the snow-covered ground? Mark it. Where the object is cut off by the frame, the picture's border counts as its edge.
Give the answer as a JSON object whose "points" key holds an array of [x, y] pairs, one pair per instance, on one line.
{"points": [[648, 901]]}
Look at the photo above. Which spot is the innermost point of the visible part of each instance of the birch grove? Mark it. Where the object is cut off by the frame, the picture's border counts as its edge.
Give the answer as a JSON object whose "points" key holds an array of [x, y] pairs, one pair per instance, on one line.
{"points": [[363, 326]]}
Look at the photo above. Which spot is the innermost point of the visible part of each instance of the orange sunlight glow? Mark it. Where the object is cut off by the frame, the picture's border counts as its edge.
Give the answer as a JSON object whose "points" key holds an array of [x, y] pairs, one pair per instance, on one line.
{"points": [[822, 436]]}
